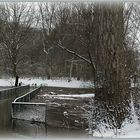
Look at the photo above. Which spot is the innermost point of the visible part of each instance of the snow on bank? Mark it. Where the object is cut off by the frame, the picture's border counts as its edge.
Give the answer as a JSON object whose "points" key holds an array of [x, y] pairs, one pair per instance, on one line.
{"points": [[55, 83], [132, 130], [128, 130], [69, 97], [78, 96], [72, 96]]}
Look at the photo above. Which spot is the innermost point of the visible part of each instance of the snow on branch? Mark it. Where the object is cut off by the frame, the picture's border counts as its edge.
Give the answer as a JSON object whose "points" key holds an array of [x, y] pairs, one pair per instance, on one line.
{"points": [[74, 53]]}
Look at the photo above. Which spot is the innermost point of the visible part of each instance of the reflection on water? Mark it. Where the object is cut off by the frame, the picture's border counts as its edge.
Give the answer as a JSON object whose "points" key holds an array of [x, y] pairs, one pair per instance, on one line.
{"points": [[5, 114], [22, 129], [66, 133], [28, 129]]}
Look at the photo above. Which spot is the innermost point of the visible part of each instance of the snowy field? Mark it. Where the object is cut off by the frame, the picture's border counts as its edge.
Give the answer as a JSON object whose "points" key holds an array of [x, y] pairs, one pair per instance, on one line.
{"points": [[45, 82]]}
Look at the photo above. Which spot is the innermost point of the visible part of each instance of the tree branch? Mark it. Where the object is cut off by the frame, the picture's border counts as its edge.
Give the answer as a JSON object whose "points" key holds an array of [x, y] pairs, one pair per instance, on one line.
{"points": [[76, 54]]}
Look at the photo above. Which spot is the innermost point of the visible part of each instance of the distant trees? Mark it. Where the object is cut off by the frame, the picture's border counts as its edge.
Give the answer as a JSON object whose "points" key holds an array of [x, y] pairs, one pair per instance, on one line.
{"points": [[47, 17], [132, 40], [78, 25]]}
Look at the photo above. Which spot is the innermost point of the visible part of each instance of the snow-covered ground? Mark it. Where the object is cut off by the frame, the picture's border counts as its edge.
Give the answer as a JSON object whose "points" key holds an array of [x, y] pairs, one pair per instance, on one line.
{"points": [[128, 130], [45, 82]]}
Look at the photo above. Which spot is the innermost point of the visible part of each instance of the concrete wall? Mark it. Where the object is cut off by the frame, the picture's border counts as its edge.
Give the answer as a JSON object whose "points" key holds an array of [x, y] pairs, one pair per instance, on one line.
{"points": [[28, 96], [6, 98], [13, 92], [24, 109]]}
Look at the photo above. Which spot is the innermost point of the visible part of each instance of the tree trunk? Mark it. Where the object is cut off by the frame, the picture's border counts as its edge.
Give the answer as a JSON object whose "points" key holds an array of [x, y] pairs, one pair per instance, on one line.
{"points": [[15, 74], [71, 69], [16, 81], [112, 84]]}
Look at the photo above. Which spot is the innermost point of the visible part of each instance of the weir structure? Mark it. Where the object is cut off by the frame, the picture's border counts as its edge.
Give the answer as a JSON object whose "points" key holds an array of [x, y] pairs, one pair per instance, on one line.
{"points": [[6, 98], [54, 112], [24, 109]]}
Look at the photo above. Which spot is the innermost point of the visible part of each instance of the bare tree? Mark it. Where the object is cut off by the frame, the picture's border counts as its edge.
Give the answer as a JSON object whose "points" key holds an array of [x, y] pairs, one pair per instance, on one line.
{"points": [[19, 20]]}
